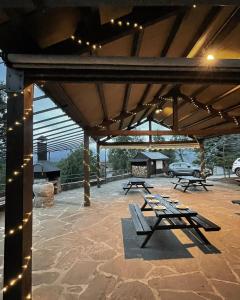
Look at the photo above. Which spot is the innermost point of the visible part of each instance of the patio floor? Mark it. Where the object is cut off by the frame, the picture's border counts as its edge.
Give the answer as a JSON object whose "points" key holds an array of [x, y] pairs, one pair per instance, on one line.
{"points": [[93, 253]]}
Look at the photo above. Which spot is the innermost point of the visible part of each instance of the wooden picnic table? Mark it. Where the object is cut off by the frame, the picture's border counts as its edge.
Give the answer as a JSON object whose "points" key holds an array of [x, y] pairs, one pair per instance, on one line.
{"points": [[136, 183], [169, 218], [187, 182]]}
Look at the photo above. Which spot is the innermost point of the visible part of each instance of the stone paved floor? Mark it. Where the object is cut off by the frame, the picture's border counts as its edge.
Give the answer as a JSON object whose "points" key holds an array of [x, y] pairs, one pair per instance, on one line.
{"points": [[92, 253]]}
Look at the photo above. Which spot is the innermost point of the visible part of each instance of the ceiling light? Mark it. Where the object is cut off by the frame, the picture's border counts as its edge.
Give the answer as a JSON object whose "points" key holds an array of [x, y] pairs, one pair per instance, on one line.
{"points": [[210, 57]]}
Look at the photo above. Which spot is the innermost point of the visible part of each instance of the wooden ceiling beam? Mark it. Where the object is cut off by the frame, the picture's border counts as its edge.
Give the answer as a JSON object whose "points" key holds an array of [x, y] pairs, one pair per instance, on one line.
{"points": [[197, 132], [102, 99], [214, 100], [93, 3], [173, 32], [136, 45], [211, 16], [211, 110]]}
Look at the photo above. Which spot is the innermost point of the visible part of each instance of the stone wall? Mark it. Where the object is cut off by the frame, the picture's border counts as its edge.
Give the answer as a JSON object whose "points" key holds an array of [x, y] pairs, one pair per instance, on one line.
{"points": [[139, 171], [79, 184]]}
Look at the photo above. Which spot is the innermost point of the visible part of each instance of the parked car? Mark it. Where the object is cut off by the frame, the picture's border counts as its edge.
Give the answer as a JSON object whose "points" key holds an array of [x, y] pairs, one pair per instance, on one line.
{"points": [[236, 167], [183, 168]]}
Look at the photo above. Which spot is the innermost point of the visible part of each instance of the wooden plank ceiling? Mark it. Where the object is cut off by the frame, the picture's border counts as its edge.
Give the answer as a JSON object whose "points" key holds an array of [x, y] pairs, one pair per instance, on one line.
{"points": [[136, 31]]}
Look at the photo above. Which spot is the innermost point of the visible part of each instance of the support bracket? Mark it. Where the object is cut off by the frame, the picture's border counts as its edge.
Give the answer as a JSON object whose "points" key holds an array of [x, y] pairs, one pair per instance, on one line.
{"points": [[15, 80]]}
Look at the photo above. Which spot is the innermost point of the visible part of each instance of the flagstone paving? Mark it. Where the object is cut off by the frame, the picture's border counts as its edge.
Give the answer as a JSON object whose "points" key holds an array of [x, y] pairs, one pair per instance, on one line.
{"points": [[93, 254]]}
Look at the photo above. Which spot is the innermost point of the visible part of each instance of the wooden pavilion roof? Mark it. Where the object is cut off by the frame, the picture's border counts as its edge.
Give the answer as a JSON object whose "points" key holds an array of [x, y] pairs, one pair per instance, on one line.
{"points": [[160, 31]]}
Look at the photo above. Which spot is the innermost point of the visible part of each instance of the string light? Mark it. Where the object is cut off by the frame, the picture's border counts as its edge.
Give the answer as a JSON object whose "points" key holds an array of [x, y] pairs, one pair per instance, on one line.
{"points": [[79, 41], [235, 121], [19, 227], [194, 5], [18, 277], [15, 173], [121, 23]]}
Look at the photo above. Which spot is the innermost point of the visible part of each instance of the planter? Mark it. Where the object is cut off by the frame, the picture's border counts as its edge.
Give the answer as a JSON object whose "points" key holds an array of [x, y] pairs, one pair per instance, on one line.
{"points": [[44, 194]]}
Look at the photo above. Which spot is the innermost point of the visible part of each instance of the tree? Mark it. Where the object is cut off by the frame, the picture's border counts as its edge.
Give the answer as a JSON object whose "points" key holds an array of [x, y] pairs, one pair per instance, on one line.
{"points": [[119, 158], [72, 166], [222, 151]]}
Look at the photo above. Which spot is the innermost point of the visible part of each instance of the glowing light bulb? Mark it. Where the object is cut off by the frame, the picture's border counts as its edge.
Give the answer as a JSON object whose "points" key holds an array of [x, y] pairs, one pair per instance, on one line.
{"points": [[12, 282], [11, 231], [94, 47], [158, 110], [119, 23], [135, 25], [20, 276], [210, 57], [79, 41], [140, 27], [127, 23], [87, 43], [72, 37], [10, 180], [112, 21], [15, 173], [194, 5]]}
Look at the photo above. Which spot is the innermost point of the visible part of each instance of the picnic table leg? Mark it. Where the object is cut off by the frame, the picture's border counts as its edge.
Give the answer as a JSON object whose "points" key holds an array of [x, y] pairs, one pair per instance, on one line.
{"points": [[144, 205], [147, 189], [130, 186], [202, 236], [188, 185], [179, 179], [151, 233], [204, 187]]}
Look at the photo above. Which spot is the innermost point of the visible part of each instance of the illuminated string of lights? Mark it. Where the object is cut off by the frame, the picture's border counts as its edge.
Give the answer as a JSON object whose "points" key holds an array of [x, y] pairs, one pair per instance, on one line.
{"points": [[94, 46], [18, 123], [18, 172], [19, 227], [121, 23], [18, 277]]}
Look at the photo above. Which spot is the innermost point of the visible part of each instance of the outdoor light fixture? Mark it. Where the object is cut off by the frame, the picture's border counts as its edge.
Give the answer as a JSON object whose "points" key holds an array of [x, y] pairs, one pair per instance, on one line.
{"points": [[210, 57]]}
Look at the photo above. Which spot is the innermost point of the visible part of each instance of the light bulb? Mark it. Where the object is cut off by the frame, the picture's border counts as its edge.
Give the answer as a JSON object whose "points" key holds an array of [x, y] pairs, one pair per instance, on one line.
{"points": [[158, 110], [210, 57]]}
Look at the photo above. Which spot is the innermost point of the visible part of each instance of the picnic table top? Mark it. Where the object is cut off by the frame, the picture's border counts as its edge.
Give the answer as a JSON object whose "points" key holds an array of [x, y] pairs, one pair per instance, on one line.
{"points": [[136, 180], [171, 210], [191, 178]]}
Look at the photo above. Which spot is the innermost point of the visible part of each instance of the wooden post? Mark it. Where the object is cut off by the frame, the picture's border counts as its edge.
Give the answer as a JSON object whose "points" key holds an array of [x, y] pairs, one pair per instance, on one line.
{"points": [[150, 129], [175, 113], [18, 207], [98, 166], [202, 158], [105, 166], [86, 167]]}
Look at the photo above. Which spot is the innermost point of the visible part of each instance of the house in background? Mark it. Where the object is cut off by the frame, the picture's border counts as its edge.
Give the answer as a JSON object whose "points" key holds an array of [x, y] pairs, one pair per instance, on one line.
{"points": [[145, 164]]}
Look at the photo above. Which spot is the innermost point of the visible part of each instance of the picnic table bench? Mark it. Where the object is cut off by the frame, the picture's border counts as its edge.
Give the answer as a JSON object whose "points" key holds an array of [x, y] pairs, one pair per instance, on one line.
{"points": [[169, 218], [135, 183], [187, 182], [236, 202]]}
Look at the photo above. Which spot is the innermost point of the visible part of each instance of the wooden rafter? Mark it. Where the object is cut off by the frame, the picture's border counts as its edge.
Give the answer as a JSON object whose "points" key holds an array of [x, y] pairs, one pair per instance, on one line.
{"points": [[170, 38], [102, 100], [210, 103], [211, 110], [197, 132], [136, 45]]}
